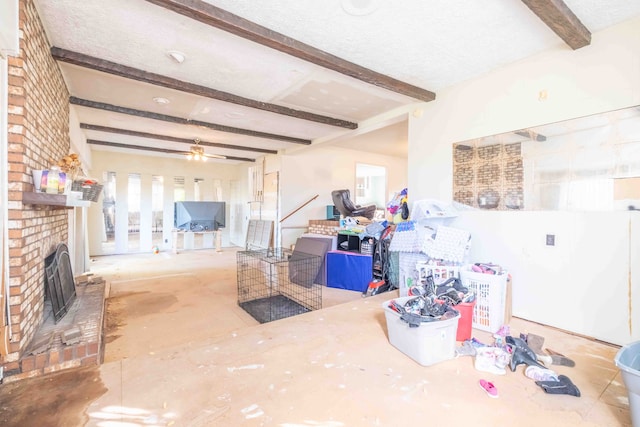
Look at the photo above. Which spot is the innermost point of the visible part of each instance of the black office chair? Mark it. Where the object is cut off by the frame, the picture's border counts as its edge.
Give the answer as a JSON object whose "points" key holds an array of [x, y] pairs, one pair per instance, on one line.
{"points": [[342, 202]]}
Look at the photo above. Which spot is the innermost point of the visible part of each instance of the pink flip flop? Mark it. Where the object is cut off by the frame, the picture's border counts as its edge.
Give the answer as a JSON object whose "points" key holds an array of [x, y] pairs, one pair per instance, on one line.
{"points": [[487, 386]]}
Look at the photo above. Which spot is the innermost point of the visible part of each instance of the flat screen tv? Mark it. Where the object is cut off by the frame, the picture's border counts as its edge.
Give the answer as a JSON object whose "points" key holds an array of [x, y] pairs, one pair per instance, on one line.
{"points": [[199, 216]]}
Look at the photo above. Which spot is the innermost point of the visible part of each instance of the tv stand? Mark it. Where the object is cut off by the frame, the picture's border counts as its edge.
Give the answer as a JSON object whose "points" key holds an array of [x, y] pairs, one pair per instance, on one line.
{"points": [[188, 240]]}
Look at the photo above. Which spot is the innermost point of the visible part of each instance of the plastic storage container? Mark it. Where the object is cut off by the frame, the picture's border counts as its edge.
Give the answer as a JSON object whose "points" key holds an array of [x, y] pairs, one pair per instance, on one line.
{"points": [[628, 360], [430, 343], [490, 290]]}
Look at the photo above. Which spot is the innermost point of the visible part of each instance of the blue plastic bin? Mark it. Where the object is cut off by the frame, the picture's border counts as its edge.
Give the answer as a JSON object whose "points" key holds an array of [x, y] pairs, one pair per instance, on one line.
{"points": [[628, 361]]}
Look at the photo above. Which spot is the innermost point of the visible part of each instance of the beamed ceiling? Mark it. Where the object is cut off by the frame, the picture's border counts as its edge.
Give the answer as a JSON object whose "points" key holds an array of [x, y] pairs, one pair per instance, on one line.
{"points": [[278, 76]]}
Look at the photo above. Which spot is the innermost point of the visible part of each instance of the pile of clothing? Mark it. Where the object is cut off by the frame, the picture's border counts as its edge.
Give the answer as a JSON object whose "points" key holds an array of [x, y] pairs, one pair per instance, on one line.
{"points": [[514, 351], [452, 291], [433, 302]]}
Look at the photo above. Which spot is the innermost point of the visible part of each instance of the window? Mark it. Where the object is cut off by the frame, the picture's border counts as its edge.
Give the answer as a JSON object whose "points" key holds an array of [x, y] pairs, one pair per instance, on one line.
{"points": [[157, 203], [109, 212], [133, 202], [198, 189], [178, 189]]}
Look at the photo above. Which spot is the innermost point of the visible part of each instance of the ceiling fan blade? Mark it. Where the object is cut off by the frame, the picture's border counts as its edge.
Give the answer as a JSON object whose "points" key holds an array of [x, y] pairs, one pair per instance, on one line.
{"points": [[215, 156]]}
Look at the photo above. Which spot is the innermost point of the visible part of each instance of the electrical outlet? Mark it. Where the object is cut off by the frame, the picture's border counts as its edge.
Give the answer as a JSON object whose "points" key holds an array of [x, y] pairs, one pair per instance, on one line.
{"points": [[551, 239]]}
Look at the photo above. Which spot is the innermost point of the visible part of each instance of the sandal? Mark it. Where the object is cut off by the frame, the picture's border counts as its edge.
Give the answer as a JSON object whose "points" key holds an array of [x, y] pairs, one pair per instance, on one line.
{"points": [[487, 386]]}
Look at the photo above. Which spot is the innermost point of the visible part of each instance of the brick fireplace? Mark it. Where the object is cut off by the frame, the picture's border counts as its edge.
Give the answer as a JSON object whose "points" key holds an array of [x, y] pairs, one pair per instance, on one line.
{"points": [[38, 135]]}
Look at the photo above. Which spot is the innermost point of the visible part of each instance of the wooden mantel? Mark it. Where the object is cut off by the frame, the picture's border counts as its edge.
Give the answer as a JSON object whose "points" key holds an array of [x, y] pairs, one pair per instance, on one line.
{"points": [[56, 200]]}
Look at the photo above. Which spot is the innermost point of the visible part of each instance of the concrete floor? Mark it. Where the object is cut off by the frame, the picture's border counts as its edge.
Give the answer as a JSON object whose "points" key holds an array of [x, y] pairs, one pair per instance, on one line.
{"points": [[180, 352]]}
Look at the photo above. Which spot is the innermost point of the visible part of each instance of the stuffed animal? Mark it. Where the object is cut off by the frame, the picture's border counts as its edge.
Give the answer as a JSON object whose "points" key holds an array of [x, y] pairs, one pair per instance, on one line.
{"points": [[398, 206]]}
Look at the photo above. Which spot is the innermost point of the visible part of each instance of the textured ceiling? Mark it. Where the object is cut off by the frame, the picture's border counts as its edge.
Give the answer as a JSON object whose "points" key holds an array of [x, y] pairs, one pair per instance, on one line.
{"points": [[429, 44]]}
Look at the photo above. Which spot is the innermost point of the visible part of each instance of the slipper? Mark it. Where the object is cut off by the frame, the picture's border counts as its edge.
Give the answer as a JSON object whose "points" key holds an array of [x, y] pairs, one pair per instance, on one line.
{"points": [[487, 386]]}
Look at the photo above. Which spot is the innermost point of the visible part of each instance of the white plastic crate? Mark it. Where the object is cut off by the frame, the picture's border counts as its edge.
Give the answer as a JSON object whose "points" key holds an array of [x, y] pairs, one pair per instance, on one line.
{"points": [[429, 343], [490, 290], [440, 273]]}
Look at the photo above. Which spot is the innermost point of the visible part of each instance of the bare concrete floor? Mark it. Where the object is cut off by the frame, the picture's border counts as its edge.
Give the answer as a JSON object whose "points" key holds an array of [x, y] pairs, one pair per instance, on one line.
{"points": [[180, 352]]}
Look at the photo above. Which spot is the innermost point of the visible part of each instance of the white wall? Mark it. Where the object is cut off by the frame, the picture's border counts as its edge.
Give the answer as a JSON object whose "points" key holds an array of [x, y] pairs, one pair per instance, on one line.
{"points": [[586, 282], [601, 77], [78, 139], [319, 171], [9, 33]]}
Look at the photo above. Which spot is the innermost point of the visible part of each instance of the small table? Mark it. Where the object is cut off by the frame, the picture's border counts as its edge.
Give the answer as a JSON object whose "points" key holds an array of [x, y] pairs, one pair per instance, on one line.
{"points": [[188, 239]]}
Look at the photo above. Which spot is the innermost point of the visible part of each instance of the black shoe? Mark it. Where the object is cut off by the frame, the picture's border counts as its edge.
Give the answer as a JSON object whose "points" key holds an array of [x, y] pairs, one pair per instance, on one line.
{"points": [[430, 286], [520, 356], [454, 283], [450, 295], [433, 308], [522, 345], [562, 386]]}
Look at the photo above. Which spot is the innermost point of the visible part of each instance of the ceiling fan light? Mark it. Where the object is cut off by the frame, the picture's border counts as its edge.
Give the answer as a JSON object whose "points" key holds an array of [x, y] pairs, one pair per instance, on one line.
{"points": [[197, 152], [160, 100]]}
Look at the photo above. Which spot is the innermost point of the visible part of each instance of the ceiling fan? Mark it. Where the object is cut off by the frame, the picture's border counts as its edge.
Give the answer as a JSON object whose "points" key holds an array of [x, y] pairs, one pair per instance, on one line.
{"points": [[197, 153]]}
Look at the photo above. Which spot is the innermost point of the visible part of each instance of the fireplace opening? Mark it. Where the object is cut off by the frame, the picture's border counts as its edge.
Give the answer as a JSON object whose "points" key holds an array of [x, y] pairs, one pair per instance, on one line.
{"points": [[60, 286]]}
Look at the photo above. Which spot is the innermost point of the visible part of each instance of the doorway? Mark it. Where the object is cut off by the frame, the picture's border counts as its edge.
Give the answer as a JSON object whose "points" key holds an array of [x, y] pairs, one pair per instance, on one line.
{"points": [[371, 185]]}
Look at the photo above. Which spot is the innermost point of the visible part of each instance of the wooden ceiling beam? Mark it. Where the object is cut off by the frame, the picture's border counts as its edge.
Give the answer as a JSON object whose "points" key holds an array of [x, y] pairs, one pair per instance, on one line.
{"points": [[174, 139], [156, 149], [173, 119], [234, 24], [115, 69], [557, 16], [531, 134]]}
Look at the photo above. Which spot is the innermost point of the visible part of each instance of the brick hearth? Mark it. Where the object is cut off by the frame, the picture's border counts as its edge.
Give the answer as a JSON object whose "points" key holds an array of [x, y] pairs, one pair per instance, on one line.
{"points": [[76, 340]]}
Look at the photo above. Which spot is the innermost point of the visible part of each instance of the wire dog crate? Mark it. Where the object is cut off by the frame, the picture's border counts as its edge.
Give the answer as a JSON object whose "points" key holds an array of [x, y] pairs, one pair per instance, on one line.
{"points": [[276, 283]]}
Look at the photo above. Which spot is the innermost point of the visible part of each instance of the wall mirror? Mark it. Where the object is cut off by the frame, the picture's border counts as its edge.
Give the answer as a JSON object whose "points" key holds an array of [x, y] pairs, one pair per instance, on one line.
{"points": [[585, 164]]}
